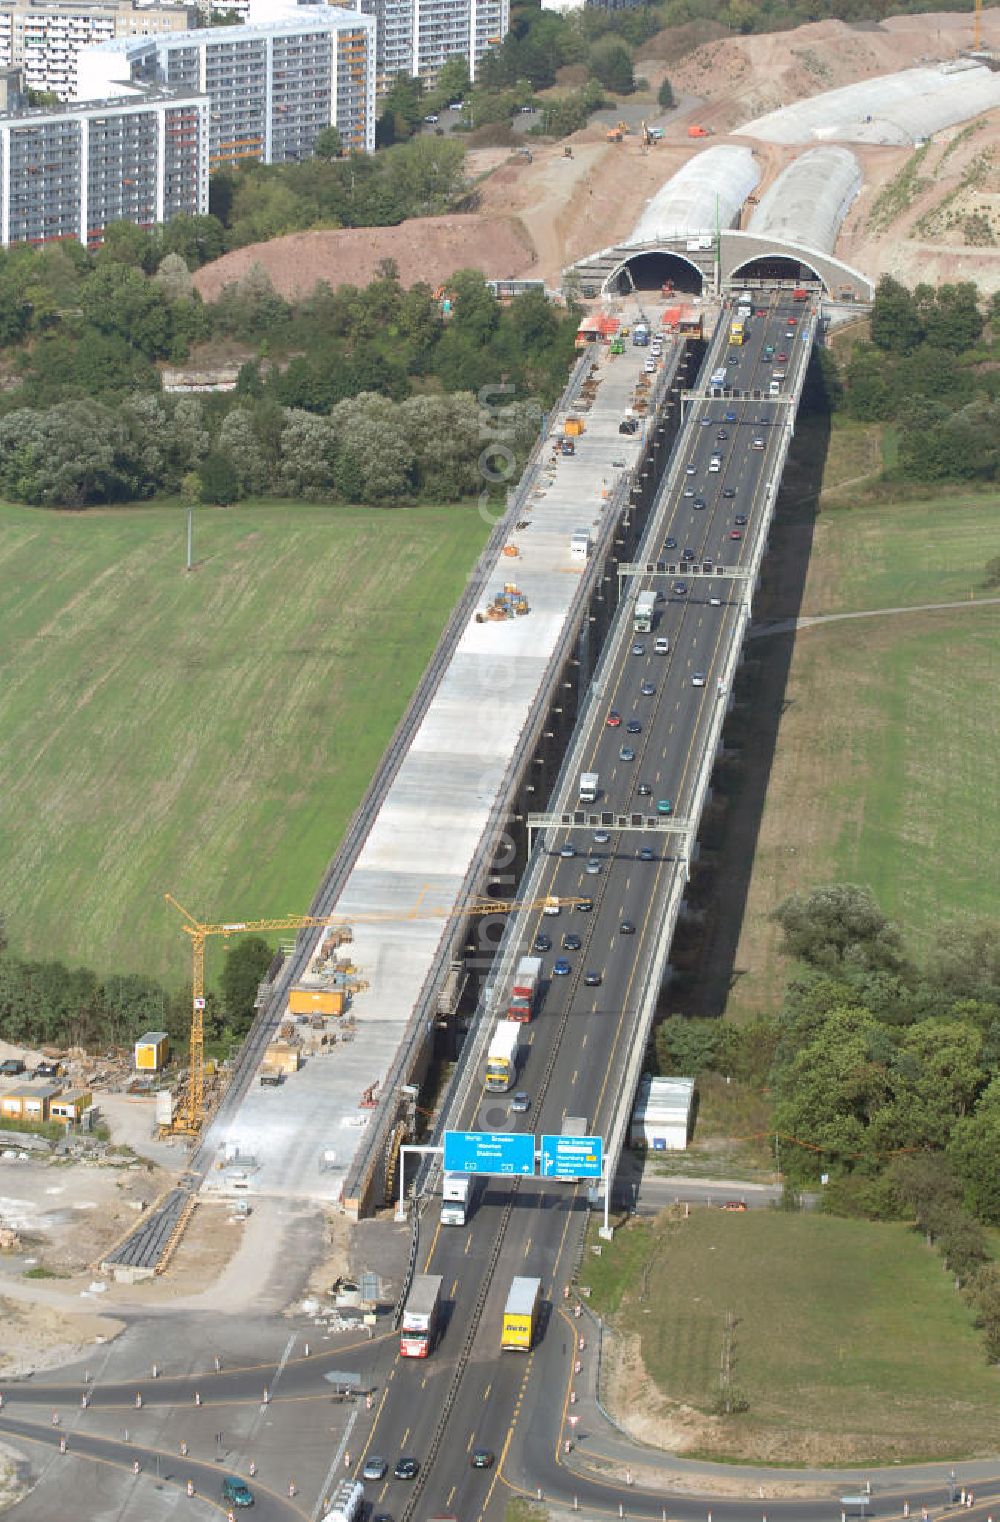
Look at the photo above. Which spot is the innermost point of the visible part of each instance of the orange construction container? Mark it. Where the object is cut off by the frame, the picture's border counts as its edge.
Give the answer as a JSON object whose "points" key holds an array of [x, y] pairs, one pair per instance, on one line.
{"points": [[696, 131], [316, 1001], [671, 317], [574, 427]]}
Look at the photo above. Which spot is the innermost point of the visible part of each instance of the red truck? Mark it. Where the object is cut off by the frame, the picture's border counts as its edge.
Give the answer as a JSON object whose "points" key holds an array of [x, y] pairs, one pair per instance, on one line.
{"points": [[525, 989]]}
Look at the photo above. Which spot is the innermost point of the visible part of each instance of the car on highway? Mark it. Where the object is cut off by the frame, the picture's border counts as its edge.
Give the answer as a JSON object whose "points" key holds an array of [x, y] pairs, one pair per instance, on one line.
{"points": [[375, 1467], [723, 433], [593, 866], [688, 554], [790, 334], [519, 1105], [626, 753], [729, 492], [614, 719], [741, 520], [698, 504], [567, 850], [698, 679], [408, 1468], [592, 979], [481, 1458], [729, 417], [571, 942], [765, 417], [646, 853], [688, 491], [715, 602], [633, 727], [758, 442], [736, 533], [601, 837], [670, 543], [561, 968], [552, 906], [793, 322], [584, 905], [542, 942], [638, 648], [648, 689], [680, 588], [626, 928], [236, 1492], [691, 469], [644, 790], [650, 366], [706, 422], [664, 806], [782, 358]]}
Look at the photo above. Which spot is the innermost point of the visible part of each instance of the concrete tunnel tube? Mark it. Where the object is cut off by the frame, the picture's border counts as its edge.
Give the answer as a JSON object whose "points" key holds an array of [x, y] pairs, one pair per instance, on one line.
{"points": [[776, 267], [649, 270]]}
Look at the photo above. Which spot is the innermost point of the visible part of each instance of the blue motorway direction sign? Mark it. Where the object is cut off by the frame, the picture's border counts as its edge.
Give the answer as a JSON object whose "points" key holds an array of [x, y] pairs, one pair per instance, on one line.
{"points": [[572, 1157], [489, 1152]]}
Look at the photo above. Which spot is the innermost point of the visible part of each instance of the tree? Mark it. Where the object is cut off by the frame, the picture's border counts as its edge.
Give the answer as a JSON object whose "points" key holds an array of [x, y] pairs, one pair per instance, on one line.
{"points": [[895, 323], [308, 449], [827, 1095], [687, 1046], [126, 243], [839, 927], [973, 1153], [219, 481], [174, 278], [239, 443], [247, 961], [328, 144], [453, 78], [611, 62], [665, 94]]}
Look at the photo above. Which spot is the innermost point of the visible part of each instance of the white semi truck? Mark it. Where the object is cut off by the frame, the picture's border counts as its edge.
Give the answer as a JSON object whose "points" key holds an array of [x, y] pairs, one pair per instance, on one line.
{"points": [[456, 1199]]}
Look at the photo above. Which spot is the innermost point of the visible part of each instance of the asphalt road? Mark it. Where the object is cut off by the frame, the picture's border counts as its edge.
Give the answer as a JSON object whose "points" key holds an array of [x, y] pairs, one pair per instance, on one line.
{"points": [[575, 1050]]}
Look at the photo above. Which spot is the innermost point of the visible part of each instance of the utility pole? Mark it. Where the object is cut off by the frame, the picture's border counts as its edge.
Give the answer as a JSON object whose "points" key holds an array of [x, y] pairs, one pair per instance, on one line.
{"points": [[190, 535]]}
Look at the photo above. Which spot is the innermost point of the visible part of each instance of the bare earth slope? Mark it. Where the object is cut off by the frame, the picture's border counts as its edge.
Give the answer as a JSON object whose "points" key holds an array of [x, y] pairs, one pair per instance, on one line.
{"points": [[429, 249]]}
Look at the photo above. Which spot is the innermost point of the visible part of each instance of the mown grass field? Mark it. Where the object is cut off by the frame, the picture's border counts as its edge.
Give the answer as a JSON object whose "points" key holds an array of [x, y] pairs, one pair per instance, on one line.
{"points": [[882, 772], [210, 733], [850, 1344]]}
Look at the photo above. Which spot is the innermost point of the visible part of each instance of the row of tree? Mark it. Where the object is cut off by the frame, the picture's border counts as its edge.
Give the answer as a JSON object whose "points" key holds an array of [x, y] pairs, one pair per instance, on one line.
{"points": [[929, 367], [872, 1057], [49, 1004], [368, 449]]}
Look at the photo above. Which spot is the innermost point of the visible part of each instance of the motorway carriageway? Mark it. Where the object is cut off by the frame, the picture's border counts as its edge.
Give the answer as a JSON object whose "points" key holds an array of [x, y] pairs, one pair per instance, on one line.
{"points": [[575, 1049]]}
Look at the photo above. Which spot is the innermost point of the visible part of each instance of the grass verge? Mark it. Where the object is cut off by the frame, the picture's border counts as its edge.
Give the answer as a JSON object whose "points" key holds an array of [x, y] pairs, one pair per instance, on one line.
{"points": [[209, 733], [849, 1343]]}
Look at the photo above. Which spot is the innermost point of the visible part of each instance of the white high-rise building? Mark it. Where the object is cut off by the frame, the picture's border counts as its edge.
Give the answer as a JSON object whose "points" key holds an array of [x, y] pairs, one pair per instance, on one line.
{"points": [[44, 37], [272, 86], [416, 37], [66, 172]]}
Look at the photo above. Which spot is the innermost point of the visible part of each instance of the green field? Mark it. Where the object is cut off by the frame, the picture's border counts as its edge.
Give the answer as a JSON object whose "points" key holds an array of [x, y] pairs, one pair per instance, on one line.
{"points": [[849, 1344], [882, 772], [210, 733]]}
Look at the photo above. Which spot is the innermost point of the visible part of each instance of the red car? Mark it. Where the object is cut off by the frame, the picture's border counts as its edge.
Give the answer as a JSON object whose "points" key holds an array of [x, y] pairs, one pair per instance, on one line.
{"points": [[614, 719], [792, 321], [735, 533], [782, 358]]}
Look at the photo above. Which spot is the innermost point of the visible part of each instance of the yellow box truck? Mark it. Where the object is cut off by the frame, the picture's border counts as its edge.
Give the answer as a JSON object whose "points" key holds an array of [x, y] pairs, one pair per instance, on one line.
{"points": [[520, 1315]]}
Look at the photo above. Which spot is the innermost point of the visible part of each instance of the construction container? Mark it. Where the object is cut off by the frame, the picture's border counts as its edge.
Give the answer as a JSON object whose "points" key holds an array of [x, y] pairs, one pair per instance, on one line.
{"points": [[574, 427], [316, 1001], [70, 1106], [152, 1051], [30, 1103], [281, 1058]]}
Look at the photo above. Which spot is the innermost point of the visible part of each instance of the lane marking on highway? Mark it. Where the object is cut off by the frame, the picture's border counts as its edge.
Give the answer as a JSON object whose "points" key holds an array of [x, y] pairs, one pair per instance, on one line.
{"points": [[454, 1287], [402, 1442], [586, 1037], [486, 1392], [434, 1238], [452, 1492], [468, 1244], [573, 1079], [335, 1464], [527, 1247]]}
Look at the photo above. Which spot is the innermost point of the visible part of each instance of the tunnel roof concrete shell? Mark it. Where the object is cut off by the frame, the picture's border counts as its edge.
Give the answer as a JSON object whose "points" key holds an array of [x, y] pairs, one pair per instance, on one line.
{"points": [[712, 186], [810, 198], [894, 109]]}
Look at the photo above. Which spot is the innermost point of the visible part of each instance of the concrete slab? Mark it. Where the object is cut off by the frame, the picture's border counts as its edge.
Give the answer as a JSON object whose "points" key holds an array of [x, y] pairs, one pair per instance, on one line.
{"points": [[410, 872]]}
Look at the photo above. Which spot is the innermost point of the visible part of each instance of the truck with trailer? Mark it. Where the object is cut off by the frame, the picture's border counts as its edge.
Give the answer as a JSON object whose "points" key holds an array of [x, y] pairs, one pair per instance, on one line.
{"points": [[420, 1316], [524, 990], [590, 786], [456, 1199], [348, 1502], [501, 1059], [644, 612], [520, 1316]]}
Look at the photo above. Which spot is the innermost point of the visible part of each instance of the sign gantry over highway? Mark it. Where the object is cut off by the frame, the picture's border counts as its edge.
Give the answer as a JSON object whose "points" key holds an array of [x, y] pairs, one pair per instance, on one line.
{"points": [[497, 1152], [572, 1157]]}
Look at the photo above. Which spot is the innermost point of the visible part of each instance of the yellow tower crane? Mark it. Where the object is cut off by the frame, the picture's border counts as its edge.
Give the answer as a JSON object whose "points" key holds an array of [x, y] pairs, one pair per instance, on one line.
{"points": [[194, 1109], [977, 26]]}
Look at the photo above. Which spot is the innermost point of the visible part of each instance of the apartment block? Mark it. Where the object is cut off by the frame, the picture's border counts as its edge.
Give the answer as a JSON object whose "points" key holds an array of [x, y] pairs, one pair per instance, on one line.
{"points": [[44, 37], [66, 172], [272, 87], [416, 37]]}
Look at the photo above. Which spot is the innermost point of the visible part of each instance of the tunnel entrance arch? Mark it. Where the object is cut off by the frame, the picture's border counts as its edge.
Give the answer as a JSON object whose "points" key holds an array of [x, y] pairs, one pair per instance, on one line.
{"points": [[650, 271], [776, 267]]}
